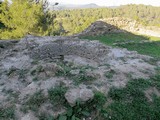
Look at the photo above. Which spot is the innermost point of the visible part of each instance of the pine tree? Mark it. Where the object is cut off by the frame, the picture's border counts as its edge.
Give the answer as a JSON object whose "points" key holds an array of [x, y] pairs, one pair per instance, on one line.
{"points": [[20, 18], [1, 24]]}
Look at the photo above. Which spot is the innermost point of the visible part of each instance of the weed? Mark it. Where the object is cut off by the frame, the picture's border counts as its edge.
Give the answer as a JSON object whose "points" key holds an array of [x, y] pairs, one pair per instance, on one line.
{"points": [[91, 109], [35, 101], [110, 74], [45, 117], [152, 61], [7, 113], [24, 109], [33, 72], [65, 70], [37, 70], [79, 78], [34, 62], [83, 78], [11, 70], [56, 95], [11, 95], [129, 75], [157, 70], [35, 79], [130, 102], [22, 73], [156, 81]]}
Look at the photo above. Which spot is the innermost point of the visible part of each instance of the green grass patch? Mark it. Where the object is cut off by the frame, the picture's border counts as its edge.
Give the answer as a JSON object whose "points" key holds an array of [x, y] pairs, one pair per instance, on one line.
{"points": [[110, 74], [148, 48], [45, 117], [65, 71], [91, 109], [81, 77], [130, 103], [56, 95], [37, 70], [152, 49], [34, 102], [111, 38], [7, 113]]}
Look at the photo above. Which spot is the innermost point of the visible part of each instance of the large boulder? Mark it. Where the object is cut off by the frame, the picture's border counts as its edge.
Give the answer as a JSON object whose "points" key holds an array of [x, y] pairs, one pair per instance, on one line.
{"points": [[81, 94]]}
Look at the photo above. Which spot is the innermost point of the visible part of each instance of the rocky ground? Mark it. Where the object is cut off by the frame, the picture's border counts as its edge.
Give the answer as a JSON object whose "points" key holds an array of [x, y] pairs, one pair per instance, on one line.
{"points": [[37, 74]]}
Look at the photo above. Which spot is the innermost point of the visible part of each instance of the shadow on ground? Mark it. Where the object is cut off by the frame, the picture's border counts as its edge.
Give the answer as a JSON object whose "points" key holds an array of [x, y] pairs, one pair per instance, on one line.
{"points": [[114, 36]]}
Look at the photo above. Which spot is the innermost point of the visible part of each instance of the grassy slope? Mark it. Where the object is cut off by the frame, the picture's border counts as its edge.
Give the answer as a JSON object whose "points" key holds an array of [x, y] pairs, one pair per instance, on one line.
{"points": [[130, 103], [152, 49]]}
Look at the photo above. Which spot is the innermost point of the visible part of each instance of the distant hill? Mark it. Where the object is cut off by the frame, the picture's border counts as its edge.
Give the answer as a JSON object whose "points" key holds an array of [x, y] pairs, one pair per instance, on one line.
{"points": [[91, 5], [73, 6]]}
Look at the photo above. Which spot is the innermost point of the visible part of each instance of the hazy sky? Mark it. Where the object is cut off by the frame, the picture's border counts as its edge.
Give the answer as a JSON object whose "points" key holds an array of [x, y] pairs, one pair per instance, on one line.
{"points": [[110, 2]]}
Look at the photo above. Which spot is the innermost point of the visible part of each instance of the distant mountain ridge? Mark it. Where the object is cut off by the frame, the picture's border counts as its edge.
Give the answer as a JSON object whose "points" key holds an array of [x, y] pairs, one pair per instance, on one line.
{"points": [[74, 6]]}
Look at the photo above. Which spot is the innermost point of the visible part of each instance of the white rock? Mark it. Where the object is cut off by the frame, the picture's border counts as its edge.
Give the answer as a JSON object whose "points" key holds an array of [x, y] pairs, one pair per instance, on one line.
{"points": [[81, 94], [29, 116]]}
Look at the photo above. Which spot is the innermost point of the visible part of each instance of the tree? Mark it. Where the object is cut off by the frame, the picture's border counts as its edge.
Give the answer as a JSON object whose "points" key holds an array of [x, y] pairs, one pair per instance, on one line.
{"points": [[1, 24], [25, 17], [20, 18]]}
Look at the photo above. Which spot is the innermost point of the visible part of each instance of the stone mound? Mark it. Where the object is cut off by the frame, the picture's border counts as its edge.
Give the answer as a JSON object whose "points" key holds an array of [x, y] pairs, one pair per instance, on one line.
{"points": [[118, 25], [32, 67], [91, 50], [100, 28]]}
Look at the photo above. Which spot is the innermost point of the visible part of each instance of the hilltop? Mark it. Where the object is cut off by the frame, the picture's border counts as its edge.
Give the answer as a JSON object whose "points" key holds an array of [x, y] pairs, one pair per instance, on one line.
{"points": [[42, 77], [104, 70]]}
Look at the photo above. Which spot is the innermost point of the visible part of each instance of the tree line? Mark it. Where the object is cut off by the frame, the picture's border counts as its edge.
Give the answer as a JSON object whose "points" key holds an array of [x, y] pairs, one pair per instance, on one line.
{"points": [[74, 21], [23, 17]]}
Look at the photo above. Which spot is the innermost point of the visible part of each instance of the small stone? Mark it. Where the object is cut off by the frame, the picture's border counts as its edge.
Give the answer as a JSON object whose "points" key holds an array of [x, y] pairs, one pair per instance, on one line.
{"points": [[75, 72], [29, 116]]}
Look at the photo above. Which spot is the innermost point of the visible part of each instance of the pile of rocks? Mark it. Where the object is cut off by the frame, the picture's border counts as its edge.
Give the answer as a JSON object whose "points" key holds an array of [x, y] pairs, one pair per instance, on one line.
{"points": [[118, 25], [31, 65], [100, 28]]}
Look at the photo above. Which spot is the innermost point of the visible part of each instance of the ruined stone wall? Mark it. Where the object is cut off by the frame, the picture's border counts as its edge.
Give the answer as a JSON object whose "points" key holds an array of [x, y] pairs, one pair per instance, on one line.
{"points": [[53, 48]]}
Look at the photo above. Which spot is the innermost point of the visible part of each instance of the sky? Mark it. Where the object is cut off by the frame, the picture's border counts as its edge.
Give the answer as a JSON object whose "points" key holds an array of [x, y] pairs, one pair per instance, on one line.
{"points": [[109, 2]]}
